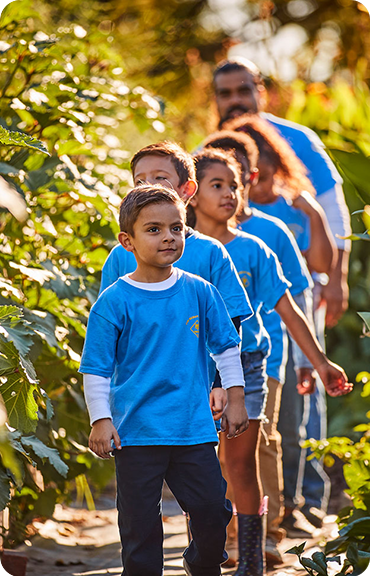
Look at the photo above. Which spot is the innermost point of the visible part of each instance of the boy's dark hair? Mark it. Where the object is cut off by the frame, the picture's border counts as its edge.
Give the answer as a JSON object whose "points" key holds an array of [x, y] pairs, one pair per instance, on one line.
{"points": [[142, 196], [236, 142], [272, 148], [236, 64], [182, 160]]}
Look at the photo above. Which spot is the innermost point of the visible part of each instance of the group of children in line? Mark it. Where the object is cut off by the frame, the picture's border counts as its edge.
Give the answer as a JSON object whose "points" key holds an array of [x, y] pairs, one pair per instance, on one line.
{"points": [[163, 361]]}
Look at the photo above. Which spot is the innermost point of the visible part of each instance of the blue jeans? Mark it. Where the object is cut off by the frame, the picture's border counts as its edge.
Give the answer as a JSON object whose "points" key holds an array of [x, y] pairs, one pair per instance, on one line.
{"points": [[193, 474]]}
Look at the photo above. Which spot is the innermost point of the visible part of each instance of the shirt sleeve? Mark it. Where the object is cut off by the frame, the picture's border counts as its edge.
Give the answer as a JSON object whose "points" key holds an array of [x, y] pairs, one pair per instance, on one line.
{"points": [[336, 211], [225, 278], [111, 270], [294, 267], [220, 330], [99, 352], [271, 281]]}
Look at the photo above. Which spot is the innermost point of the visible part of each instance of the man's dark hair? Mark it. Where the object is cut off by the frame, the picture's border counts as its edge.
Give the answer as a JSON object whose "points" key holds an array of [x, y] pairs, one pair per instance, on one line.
{"points": [[236, 64], [236, 142], [182, 161], [142, 196]]}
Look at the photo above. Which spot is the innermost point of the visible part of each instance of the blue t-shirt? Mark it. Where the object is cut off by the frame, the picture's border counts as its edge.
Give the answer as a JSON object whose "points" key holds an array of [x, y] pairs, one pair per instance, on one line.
{"points": [[263, 279], [278, 238], [204, 257], [297, 221], [154, 346], [310, 150]]}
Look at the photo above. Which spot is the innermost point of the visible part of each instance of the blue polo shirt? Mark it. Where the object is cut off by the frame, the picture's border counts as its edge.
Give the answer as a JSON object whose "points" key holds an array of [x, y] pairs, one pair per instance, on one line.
{"points": [[297, 221], [204, 257], [154, 345]]}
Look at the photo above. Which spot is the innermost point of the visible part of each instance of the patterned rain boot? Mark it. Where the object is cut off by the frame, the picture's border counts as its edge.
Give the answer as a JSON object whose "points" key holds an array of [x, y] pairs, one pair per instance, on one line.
{"points": [[251, 555]]}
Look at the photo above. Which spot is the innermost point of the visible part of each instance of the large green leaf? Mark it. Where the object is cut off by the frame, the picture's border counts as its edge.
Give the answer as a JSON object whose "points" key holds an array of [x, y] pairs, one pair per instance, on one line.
{"points": [[45, 453], [356, 166], [21, 139], [19, 331], [18, 387]]}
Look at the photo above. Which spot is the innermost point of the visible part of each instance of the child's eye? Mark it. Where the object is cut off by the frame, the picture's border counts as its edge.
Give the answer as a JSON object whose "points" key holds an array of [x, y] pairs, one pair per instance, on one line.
{"points": [[177, 228], [153, 229], [234, 187], [139, 182], [217, 186]]}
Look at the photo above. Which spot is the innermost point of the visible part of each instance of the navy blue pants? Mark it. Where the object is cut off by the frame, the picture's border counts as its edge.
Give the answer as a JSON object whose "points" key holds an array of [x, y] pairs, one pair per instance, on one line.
{"points": [[193, 475]]}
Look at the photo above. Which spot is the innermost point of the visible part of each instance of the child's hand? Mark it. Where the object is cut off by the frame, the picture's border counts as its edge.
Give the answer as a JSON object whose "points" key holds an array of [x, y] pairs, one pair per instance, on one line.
{"points": [[217, 402], [334, 379], [100, 438], [235, 418], [306, 381]]}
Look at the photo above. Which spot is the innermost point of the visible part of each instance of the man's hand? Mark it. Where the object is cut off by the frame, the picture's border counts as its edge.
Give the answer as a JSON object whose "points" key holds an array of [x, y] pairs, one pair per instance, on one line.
{"points": [[101, 435], [235, 418], [334, 379], [217, 402], [306, 381]]}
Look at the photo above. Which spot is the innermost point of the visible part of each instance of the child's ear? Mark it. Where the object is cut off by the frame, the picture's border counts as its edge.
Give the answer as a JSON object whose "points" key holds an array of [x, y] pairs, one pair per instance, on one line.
{"points": [[125, 241], [187, 190]]}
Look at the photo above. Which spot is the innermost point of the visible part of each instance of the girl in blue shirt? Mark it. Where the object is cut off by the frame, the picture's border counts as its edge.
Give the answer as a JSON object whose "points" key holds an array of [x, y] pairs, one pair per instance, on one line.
{"points": [[215, 205]]}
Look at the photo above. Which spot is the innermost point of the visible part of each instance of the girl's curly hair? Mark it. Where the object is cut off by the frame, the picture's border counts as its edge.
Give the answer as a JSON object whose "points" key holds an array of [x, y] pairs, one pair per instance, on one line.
{"points": [[290, 171]]}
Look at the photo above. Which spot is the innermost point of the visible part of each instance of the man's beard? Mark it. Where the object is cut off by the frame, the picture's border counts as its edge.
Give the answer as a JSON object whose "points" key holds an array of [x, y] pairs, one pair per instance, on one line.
{"points": [[240, 109]]}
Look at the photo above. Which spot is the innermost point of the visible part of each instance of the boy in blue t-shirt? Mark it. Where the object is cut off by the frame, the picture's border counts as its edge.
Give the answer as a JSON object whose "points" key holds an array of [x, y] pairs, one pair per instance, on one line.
{"points": [[146, 387]]}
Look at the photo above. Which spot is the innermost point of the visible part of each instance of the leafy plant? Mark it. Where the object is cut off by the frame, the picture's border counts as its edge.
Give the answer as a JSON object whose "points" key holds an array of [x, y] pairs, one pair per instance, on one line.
{"points": [[355, 563], [66, 119]]}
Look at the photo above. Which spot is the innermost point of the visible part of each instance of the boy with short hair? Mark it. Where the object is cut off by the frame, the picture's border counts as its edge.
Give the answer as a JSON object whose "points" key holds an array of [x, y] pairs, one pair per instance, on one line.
{"points": [[146, 386]]}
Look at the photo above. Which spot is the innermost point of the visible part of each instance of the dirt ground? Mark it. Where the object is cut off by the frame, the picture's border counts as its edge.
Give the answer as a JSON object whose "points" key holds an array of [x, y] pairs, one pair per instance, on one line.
{"points": [[78, 542]]}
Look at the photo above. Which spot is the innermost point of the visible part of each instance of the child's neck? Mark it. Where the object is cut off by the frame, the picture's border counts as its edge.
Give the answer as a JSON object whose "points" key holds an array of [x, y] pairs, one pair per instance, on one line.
{"points": [[218, 230], [151, 274]]}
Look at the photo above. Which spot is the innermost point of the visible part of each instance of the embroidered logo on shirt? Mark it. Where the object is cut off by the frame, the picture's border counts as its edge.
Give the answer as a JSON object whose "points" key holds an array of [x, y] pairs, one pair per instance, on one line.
{"points": [[194, 325], [244, 278]]}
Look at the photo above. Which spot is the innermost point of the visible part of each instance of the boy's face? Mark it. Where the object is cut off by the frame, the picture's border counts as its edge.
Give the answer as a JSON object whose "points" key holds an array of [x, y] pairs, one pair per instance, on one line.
{"points": [[217, 198], [159, 236], [157, 169]]}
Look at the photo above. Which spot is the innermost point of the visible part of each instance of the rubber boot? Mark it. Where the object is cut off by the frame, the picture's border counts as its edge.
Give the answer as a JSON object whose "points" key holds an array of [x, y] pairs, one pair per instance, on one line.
{"points": [[251, 554]]}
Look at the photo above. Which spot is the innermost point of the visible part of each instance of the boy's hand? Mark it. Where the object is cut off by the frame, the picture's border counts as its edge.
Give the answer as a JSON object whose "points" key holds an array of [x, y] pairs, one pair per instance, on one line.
{"points": [[101, 435], [334, 379], [235, 418], [217, 402], [306, 381]]}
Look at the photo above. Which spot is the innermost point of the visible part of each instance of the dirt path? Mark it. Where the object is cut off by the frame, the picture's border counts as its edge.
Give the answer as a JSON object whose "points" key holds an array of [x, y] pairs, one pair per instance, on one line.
{"points": [[81, 543]]}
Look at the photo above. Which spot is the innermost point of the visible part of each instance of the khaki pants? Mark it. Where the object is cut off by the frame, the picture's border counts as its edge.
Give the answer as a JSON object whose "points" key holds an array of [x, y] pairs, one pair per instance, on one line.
{"points": [[271, 463]]}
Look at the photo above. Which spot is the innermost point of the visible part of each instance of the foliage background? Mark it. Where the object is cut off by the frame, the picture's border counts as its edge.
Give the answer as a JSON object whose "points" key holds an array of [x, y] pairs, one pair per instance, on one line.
{"points": [[94, 81]]}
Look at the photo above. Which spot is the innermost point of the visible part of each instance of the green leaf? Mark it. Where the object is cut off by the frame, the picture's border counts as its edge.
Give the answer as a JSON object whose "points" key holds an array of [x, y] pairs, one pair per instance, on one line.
{"points": [[360, 527], [45, 453], [297, 549], [19, 331], [18, 387], [4, 489], [308, 563], [8, 169], [21, 139], [366, 318], [356, 167], [320, 559]]}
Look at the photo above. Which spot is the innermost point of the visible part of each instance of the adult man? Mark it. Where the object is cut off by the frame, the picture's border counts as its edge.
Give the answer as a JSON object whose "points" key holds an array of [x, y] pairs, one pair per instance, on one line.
{"points": [[239, 89]]}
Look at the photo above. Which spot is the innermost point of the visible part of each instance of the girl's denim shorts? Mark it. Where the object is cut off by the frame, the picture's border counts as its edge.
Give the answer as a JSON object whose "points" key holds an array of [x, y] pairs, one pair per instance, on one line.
{"points": [[255, 390]]}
